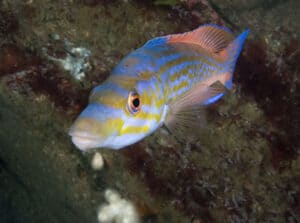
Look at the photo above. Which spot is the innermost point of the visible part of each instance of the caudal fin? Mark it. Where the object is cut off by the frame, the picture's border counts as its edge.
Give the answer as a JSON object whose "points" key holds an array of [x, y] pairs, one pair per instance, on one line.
{"points": [[231, 53]]}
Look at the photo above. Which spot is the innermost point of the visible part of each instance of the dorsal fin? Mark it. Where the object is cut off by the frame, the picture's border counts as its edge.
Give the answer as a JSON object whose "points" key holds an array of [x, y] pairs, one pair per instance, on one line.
{"points": [[213, 38], [156, 41]]}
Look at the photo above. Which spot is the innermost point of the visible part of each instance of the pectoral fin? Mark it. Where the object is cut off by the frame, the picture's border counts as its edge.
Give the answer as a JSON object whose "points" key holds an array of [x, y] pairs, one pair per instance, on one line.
{"points": [[186, 114]]}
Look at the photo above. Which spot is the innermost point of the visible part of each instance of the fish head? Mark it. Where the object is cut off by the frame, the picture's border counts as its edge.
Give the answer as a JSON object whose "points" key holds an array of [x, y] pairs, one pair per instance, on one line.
{"points": [[118, 114]]}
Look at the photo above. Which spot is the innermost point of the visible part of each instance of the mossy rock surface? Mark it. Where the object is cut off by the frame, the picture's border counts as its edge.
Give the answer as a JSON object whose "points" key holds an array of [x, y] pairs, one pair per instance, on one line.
{"points": [[245, 167]]}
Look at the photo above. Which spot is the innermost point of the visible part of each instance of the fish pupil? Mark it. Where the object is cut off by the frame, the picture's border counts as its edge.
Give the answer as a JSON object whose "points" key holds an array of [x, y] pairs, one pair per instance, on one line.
{"points": [[136, 102]]}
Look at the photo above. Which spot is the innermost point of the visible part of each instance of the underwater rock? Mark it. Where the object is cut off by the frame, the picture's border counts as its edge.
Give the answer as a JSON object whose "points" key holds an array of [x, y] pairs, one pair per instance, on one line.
{"points": [[40, 177], [73, 59], [245, 168], [14, 59], [8, 23]]}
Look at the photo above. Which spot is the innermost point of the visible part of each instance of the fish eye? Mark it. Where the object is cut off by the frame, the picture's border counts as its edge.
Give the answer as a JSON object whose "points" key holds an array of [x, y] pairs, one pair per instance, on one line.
{"points": [[133, 102]]}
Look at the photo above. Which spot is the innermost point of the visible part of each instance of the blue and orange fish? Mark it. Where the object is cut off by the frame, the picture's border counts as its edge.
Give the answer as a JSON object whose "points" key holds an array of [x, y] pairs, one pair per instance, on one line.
{"points": [[165, 82]]}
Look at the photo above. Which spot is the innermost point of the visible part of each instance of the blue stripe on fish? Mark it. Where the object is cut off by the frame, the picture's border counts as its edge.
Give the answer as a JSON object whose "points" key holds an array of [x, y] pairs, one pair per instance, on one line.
{"points": [[146, 85], [179, 80], [144, 64], [179, 92], [201, 76], [163, 60], [175, 69], [111, 86], [156, 41], [147, 56], [213, 99], [138, 122], [151, 109], [93, 110], [166, 59]]}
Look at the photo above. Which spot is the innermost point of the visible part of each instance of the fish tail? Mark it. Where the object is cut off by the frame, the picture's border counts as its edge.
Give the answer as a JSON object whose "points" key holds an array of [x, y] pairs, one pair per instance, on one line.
{"points": [[231, 53]]}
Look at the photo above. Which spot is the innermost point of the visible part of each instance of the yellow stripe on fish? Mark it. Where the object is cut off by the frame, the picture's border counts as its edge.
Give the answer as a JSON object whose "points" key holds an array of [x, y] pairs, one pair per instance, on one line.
{"points": [[135, 129]]}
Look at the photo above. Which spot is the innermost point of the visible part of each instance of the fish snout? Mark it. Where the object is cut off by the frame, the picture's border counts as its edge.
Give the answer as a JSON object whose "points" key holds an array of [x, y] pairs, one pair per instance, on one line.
{"points": [[84, 134], [97, 126], [84, 141]]}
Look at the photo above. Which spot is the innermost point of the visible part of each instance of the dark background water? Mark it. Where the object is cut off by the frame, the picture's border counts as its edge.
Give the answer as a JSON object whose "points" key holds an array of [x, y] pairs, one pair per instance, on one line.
{"points": [[245, 166]]}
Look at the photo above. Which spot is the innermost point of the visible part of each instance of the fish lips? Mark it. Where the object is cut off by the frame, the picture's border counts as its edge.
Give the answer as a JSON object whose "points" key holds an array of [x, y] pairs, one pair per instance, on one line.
{"points": [[83, 140]]}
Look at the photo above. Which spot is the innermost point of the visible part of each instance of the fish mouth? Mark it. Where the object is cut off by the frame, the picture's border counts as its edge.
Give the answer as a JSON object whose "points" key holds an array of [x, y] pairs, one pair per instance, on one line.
{"points": [[84, 140]]}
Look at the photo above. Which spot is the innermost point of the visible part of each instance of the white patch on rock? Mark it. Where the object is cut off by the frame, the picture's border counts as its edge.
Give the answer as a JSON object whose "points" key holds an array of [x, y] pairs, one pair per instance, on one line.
{"points": [[117, 210], [76, 60], [97, 161]]}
